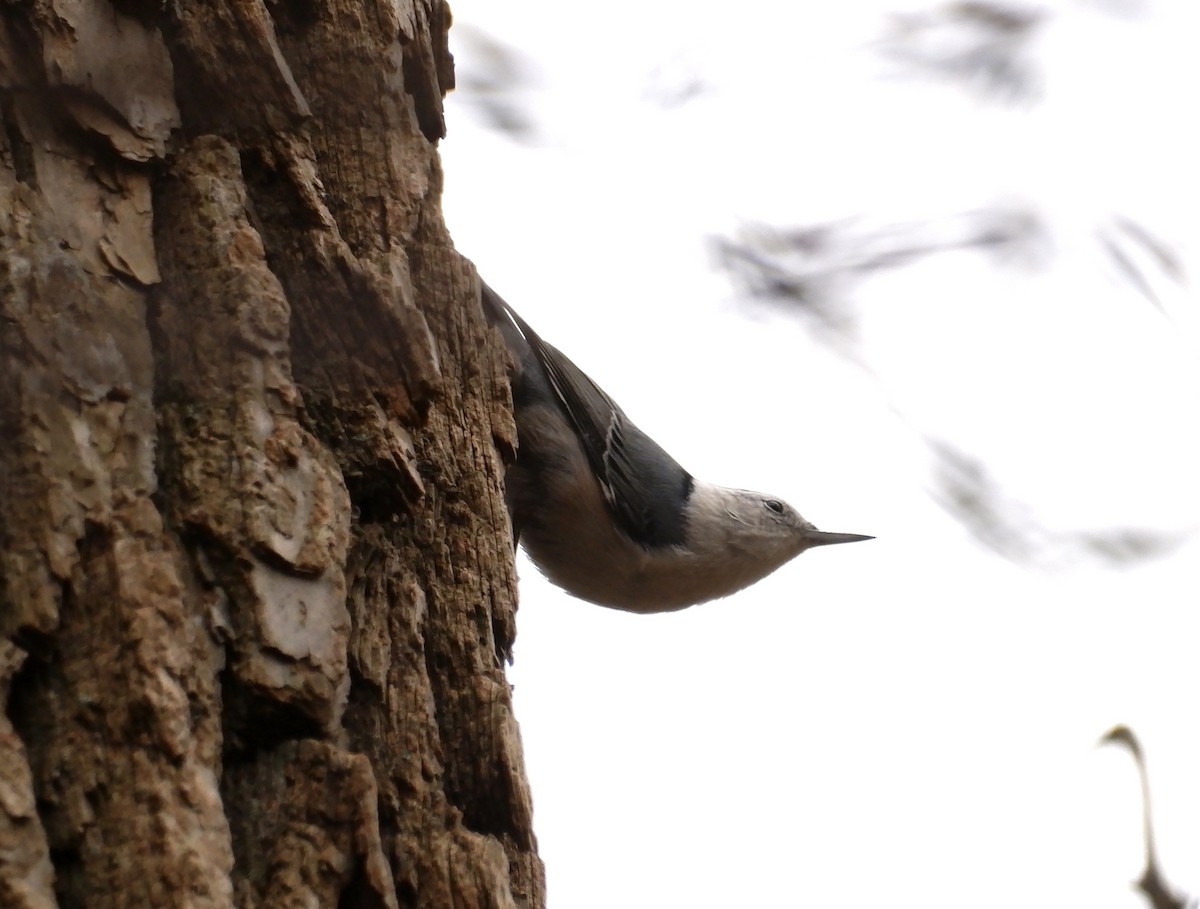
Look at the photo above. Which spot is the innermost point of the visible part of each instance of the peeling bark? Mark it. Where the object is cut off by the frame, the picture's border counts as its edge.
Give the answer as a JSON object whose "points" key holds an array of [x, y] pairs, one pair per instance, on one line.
{"points": [[256, 585]]}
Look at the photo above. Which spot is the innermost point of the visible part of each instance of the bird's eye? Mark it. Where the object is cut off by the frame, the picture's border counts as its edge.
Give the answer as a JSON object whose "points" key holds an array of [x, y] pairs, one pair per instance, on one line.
{"points": [[774, 504]]}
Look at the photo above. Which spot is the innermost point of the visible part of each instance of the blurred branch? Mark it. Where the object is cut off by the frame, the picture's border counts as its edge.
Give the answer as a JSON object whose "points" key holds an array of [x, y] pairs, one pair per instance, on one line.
{"points": [[1158, 893], [810, 269], [1140, 257], [795, 269], [793, 262], [982, 45], [965, 488], [490, 76], [969, 493]]}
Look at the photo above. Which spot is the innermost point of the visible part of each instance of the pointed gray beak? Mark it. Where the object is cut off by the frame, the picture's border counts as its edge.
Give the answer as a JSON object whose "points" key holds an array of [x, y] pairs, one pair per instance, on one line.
{"points": [[821, 538]]}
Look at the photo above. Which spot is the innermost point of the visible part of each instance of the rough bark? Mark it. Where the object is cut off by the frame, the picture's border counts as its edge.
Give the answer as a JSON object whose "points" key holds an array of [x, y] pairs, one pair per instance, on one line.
{"points": [[256, 585]]}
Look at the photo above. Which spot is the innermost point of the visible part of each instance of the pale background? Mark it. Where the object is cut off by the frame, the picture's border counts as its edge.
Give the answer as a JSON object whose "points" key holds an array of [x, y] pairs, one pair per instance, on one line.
{"points": [[909, 721]]}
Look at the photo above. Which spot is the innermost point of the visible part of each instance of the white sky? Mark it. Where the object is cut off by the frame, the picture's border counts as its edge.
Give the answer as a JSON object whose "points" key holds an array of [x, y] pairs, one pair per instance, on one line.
{"points": [[910, 720]]}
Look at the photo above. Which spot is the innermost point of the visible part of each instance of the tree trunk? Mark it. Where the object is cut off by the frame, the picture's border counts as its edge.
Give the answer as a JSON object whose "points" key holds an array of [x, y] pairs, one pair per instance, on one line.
{"points": [[256, 583]]}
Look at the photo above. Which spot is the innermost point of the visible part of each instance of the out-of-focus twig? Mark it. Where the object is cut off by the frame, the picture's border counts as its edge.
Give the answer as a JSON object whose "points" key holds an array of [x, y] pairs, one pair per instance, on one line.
{"points": [[811, 270], [1140, 256], [1159, 894], [981, 45], [490, 76], [978, 501]]}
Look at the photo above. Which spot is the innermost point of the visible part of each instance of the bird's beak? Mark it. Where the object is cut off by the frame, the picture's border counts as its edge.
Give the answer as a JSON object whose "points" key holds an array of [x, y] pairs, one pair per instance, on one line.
{"points": [[821, 538]]}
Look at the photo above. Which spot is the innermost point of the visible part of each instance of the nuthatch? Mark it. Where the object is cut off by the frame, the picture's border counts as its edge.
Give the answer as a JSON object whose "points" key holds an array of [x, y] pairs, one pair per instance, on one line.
{"points": [[609, 516]]}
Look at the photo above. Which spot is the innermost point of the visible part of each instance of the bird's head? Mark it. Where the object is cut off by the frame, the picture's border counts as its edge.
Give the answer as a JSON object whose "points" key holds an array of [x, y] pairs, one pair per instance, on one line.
{"points": [[753, 525]]}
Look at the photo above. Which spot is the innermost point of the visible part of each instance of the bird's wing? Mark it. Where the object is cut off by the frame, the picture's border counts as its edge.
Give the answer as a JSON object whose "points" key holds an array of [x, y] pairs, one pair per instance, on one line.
{"points": [[644, 486]]}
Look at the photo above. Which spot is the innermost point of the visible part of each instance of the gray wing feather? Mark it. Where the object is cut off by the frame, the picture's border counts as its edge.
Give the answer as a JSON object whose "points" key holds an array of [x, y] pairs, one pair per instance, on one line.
{"points": [[644, 486]]}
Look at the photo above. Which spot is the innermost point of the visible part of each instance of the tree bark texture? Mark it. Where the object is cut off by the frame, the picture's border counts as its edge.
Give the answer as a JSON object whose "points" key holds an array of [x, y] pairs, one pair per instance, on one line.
{"points": [[256, 583]]}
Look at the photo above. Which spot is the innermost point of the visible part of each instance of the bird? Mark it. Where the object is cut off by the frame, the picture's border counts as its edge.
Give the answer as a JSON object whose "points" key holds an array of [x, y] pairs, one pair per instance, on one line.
{"points": [[609, 516]]}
